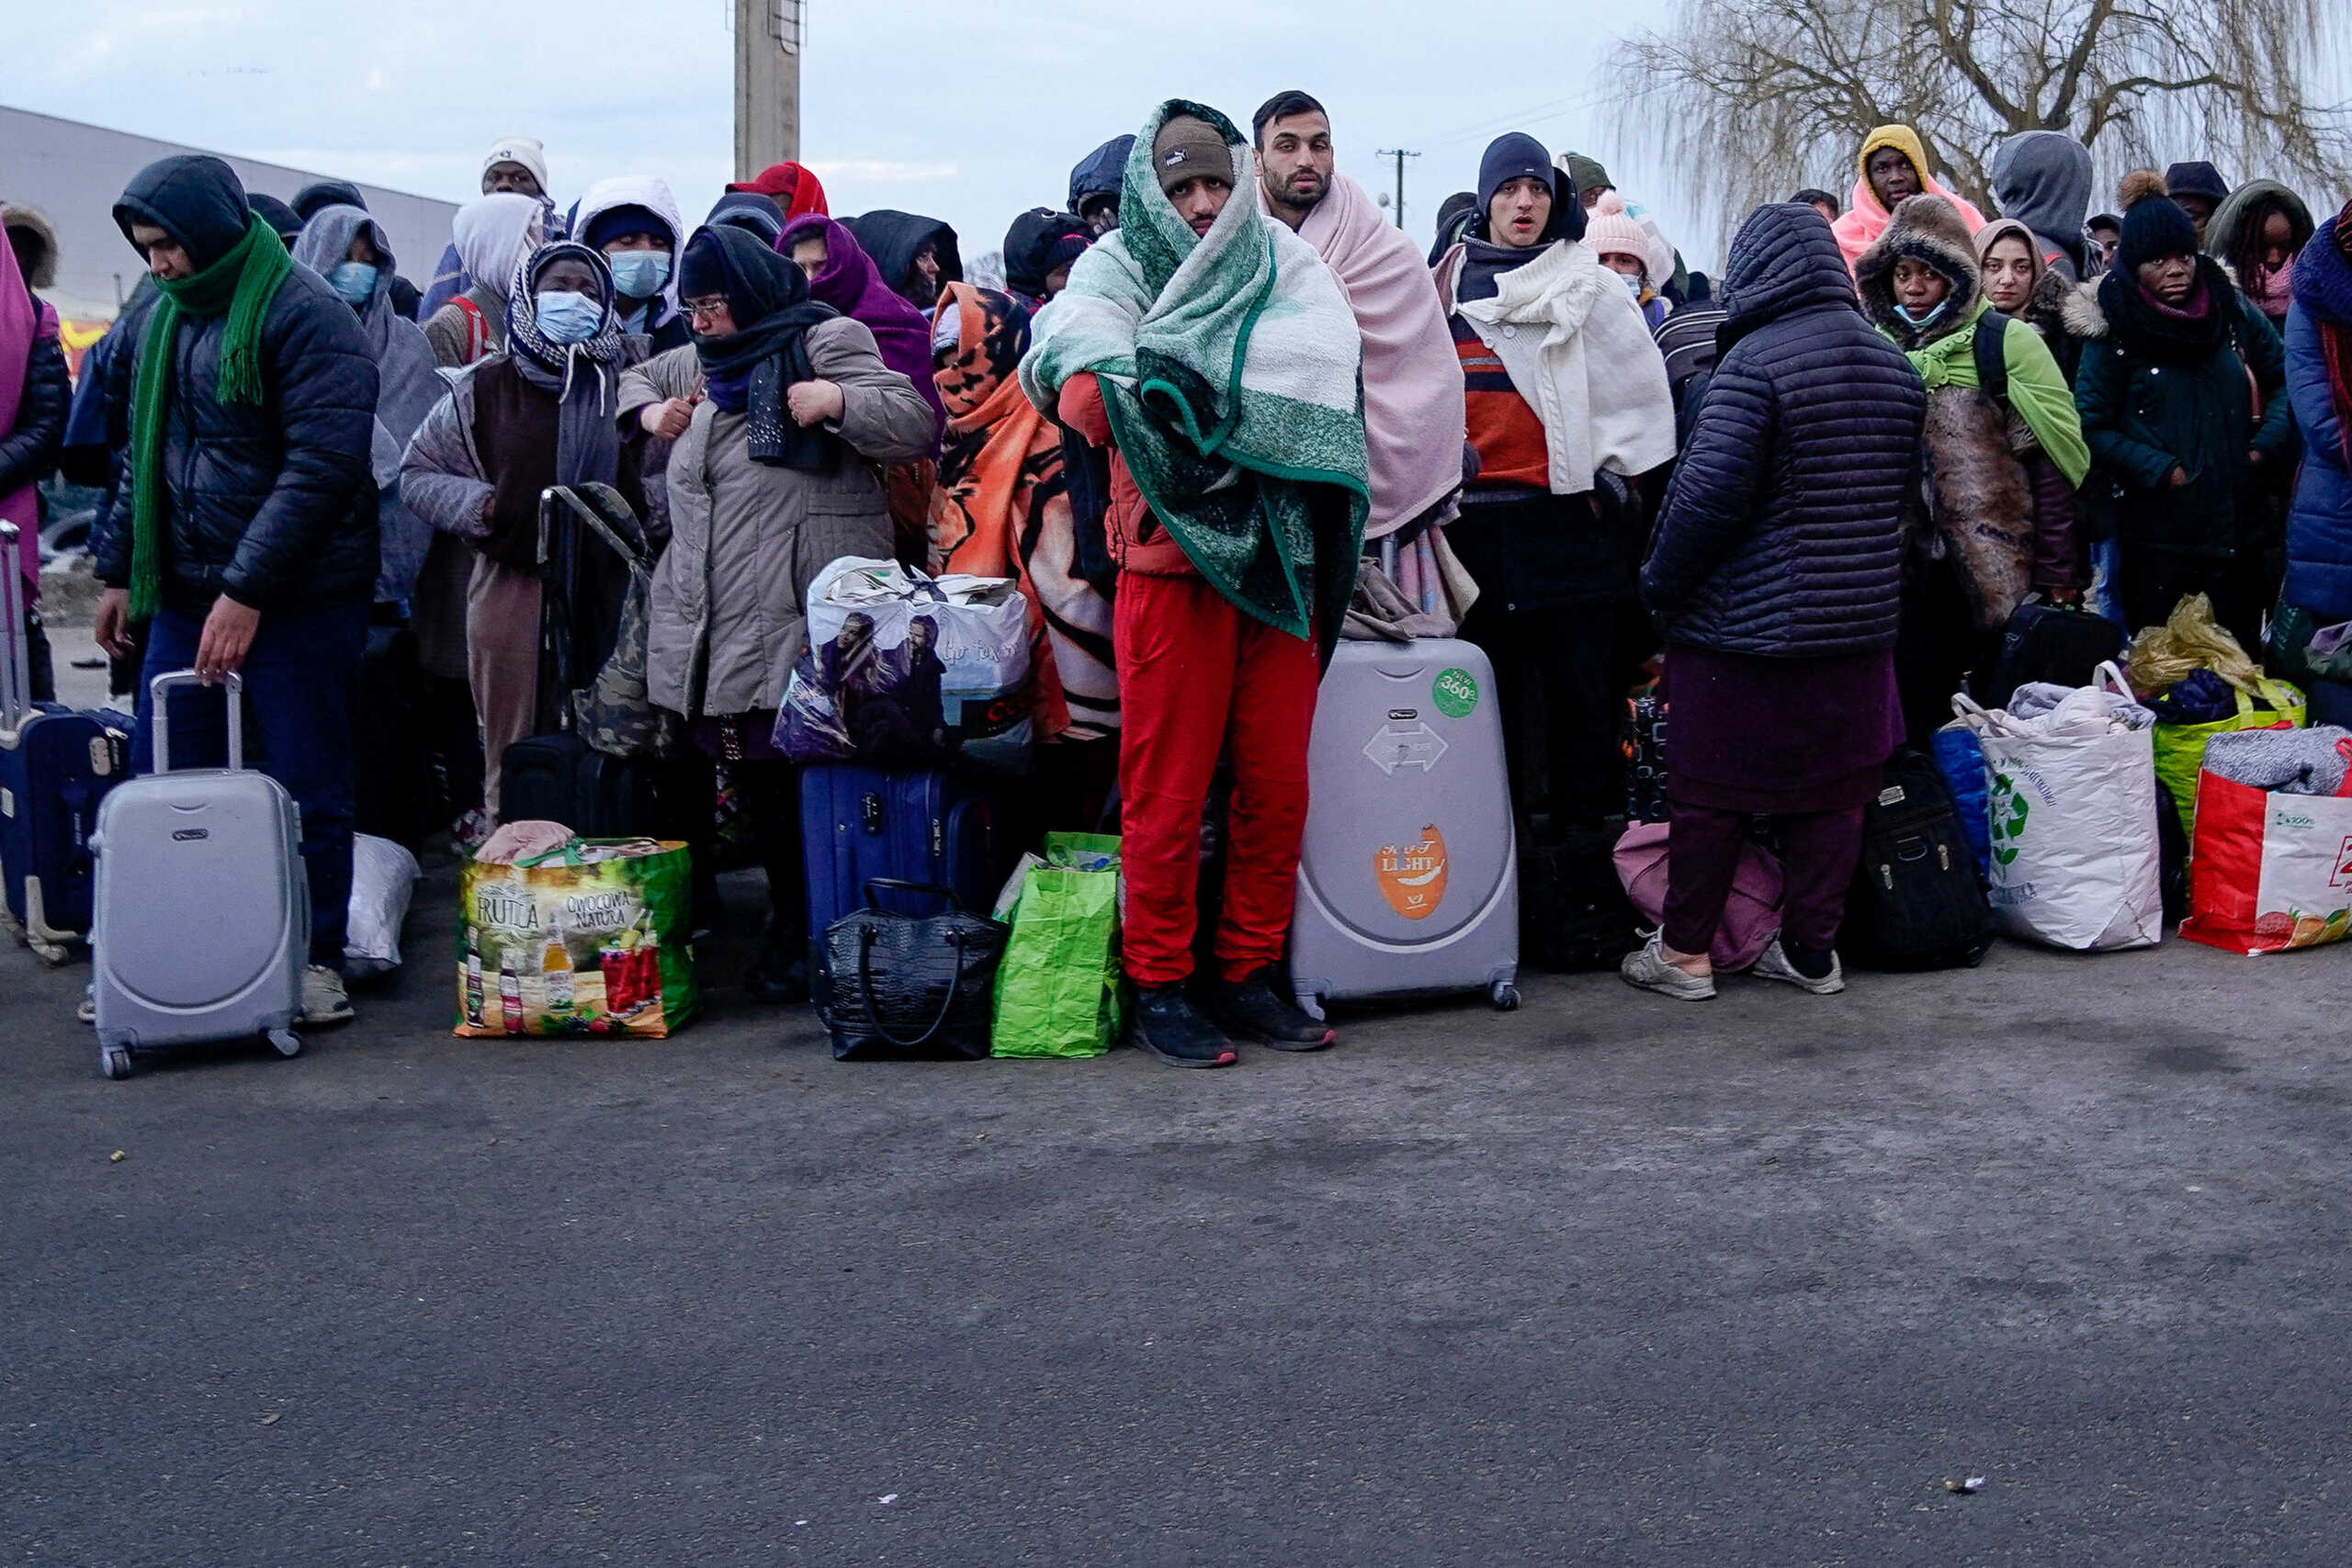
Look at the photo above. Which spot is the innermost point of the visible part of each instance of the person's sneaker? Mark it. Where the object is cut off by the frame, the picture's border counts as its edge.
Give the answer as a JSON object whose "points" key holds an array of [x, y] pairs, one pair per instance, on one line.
{"points": [[324, 1001], [1775, 965], [1253, 1010], [780, 975], [1646, 966], [1166, 1024]]}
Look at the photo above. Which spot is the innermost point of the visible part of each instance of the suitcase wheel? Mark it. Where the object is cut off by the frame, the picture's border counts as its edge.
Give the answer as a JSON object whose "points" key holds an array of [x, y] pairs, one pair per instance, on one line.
{"points": [[1506, 996], [287, 1042], [114, 1061]]}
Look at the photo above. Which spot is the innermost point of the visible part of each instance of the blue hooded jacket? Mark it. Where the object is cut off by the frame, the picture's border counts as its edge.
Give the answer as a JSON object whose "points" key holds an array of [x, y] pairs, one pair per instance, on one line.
{"points": [[2319, 527]]}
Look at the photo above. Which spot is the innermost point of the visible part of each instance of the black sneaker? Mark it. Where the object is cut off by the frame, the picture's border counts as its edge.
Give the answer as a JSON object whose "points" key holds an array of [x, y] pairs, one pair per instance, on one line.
{"points": [[1166, 1025], [1253, 1009], [780, 973]]}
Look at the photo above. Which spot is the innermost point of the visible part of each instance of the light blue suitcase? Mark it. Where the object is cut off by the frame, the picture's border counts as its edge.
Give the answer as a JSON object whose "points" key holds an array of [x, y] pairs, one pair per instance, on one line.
{"points": [[1408, 878], [203, 919]]}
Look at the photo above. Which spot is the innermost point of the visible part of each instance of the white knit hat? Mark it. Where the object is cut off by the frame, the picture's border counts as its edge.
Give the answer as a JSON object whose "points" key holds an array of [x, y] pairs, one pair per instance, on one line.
{"points": [[527, 151]]}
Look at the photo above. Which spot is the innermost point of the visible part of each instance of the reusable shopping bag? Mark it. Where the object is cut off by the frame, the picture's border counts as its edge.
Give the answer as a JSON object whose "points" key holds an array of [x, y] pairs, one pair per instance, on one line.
{"points": [[2270, 870], [2180, 748], [905, 668], [591, 938], [2071, 814], [1057, 990]]}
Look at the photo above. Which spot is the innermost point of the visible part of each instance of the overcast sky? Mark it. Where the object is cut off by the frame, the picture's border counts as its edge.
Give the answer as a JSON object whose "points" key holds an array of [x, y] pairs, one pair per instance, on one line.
{"points": [[966, 112]]}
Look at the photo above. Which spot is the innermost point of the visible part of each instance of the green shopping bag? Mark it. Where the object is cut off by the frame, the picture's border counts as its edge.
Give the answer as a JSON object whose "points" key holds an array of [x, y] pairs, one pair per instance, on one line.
{"points": [[1057, 991], [2180, 748]]}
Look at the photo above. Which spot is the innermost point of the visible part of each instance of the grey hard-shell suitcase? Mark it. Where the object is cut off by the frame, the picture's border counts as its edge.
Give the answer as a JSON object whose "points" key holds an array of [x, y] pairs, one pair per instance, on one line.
{"points": [[1408, 881], [203, 920]]}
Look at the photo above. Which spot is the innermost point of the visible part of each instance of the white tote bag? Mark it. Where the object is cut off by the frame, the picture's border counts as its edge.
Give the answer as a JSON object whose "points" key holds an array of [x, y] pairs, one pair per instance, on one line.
{"points": [[2072, 787]]}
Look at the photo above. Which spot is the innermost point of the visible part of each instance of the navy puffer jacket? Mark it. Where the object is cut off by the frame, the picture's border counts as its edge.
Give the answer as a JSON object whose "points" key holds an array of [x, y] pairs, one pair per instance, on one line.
{"points": [[2319, 529], [1782, 535], [271, 504]]}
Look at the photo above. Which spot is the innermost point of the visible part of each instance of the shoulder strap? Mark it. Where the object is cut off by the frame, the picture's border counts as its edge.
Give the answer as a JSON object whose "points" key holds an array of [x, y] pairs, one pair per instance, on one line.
{"points": [[1992, 356], [477, 328]]}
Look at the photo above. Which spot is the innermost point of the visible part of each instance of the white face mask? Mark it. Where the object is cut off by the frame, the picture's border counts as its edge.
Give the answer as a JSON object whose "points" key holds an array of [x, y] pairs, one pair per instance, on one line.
{"points": [[1632, 286]]}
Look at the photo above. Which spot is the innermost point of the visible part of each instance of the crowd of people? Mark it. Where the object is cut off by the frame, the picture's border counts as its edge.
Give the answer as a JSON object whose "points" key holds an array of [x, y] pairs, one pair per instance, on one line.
{"points": [[1183, 410]]}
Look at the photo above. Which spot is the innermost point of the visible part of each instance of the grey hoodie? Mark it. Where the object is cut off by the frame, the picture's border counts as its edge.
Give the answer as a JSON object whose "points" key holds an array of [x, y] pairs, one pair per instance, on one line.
{"points": [[2043, 178]]}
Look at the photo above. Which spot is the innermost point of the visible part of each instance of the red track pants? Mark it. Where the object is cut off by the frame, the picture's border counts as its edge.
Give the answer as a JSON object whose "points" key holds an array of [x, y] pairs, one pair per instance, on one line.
{"points": [[1196, 675]]}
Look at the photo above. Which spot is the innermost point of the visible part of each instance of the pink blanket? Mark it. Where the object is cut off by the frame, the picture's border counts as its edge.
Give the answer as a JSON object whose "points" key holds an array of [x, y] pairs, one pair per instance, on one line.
{"points": [[24, 320], [1864, 219], [1412, 377]]}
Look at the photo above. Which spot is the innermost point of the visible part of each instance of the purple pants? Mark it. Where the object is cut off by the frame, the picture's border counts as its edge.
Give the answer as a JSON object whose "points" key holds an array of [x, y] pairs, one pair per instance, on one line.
{"points": [[1702, 851]]}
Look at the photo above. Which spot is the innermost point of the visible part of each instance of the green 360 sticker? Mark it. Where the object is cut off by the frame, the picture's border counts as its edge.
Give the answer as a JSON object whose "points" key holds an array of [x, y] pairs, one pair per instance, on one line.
{"points": [[1456, 692]]}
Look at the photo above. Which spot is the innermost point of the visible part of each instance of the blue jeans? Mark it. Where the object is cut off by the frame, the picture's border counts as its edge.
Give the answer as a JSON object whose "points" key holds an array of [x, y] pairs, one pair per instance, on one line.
{"points": [[300, 676]]}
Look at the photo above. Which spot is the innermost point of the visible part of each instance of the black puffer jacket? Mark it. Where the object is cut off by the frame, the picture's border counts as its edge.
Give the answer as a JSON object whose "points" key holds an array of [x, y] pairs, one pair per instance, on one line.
{"points": [[270, 504], [1781, 533], [28, 447]]}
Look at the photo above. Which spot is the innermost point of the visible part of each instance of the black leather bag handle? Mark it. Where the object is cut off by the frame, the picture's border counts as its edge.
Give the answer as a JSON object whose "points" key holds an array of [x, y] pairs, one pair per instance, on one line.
{"points": [[894, 884], [865, 989]]}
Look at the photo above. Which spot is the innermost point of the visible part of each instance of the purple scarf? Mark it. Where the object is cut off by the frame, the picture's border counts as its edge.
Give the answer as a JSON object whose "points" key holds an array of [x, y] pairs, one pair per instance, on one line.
{"points": [[850, 283]]}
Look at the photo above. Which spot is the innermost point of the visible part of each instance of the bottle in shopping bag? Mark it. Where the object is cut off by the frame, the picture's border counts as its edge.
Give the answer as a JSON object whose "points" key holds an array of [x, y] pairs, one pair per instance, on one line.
{"points": [[555, 966], [473, 974], [510, 989]]}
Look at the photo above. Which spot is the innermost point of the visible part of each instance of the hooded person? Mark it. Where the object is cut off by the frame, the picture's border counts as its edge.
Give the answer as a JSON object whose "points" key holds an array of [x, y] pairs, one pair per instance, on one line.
{"points": [[1095, 184], [1454, 214], [1002, 509], [778, 417], [36, 394], [1894, 164], [1214, 357], [243, 530], [916, 256], [2198, 188], [1592, 180], [282, 220], [843, 276], [347, 248], [2319, 525], [2042, 179], [634, 220], [320, 194], [2021, 284], [2001, 462], [493, 236], [1568, 410], [34, 240], [2180, 392], [540, 412], [794, 188], [1039, 250], [1776, 574], [1412, 378], [755, 212], [2257, 234]]}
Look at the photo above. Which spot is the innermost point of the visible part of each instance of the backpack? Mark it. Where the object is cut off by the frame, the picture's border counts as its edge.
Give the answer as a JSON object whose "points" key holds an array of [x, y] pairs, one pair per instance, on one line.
{"points": [[1992, 358], [477, 328], [1916, 902]]}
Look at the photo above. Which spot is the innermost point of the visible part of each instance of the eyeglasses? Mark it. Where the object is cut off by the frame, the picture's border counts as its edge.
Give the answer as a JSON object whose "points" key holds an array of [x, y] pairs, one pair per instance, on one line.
{"points": [[704, 307]]}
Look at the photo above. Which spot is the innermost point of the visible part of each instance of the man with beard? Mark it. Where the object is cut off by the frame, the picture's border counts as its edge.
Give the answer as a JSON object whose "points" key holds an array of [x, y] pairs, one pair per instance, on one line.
{"points": [[1412, 376]]}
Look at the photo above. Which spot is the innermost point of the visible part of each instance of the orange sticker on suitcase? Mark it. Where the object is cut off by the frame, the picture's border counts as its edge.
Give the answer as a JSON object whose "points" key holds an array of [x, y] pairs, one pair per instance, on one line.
{"points": [[1412, 876]]}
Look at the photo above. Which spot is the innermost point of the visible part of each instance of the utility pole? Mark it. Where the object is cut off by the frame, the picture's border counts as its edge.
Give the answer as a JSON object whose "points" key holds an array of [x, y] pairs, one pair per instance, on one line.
{"points": [[1400, 154], [768, 35]]}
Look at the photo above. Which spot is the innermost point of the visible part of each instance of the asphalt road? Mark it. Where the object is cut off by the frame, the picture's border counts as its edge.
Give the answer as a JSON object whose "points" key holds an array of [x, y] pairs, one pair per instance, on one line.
{"points": [[1610, 1281]]}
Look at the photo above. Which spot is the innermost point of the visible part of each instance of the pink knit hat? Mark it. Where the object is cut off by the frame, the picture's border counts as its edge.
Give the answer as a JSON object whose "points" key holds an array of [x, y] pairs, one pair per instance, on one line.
{"points": [[1615, 234]]}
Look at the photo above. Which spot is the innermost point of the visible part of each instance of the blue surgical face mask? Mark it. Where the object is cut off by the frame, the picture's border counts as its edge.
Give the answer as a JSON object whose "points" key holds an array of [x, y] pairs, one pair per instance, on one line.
{"points": [[1632, 285], [568, 318], [353, 281], [1905, 312], [639, 275]]}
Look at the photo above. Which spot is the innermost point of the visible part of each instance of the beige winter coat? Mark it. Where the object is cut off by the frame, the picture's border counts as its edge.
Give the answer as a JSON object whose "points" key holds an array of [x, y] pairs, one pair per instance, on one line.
{"points": [[726, 620]]}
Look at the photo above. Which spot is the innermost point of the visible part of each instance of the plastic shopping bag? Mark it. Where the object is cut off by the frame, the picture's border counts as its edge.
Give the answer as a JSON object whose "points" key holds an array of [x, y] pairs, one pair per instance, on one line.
{"points": [[2191, 639], [2071, 814], [1058, 989], [903, 668], [2268, 871], [383, 879], [591, 940], [2180, 748]]}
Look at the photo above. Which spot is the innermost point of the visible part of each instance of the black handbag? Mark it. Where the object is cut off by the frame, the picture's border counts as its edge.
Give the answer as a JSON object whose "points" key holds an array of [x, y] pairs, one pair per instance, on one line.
{"points": [[909, 986]]}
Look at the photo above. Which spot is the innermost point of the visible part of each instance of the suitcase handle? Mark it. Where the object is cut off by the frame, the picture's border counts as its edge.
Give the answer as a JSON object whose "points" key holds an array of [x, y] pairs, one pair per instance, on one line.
{"points": [[159, 697], [16, 655]]}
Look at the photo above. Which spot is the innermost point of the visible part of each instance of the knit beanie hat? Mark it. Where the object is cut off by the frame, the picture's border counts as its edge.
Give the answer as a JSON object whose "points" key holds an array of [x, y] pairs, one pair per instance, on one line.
{"points": [[527, 151], [1514, 156], [1618, 233], [627, 219], [2198, 178], [2155, 228], [1189, 148], [1586, 172]]}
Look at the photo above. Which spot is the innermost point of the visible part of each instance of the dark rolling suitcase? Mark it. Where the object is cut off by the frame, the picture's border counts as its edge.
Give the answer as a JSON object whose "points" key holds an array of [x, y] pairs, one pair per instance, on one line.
{"points": [[2051, 642], [56, 765], [907, 825], [1916, 901]]}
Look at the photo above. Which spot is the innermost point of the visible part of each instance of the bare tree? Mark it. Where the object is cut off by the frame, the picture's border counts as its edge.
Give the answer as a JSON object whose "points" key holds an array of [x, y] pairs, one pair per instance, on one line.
{"points": [[1754, 97]]}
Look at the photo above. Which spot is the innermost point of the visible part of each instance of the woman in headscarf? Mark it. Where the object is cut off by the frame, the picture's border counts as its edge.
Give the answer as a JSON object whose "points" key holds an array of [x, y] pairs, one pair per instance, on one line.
{"points": [[2257, 234], [778, 415], [1568, 409], [34, 395], [1992, 535], [843, 276], [542, 412], [793, 187], [346, 247], [1002, 509], [1894, 168]]}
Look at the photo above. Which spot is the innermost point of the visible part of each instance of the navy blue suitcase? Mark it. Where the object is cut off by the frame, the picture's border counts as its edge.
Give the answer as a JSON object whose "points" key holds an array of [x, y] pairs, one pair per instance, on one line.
{"points": [[55, 766], [904, 824]]}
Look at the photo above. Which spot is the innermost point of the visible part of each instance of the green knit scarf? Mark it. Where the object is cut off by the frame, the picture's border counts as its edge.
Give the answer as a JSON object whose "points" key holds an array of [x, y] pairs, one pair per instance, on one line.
{"points": [[242, 283]]}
